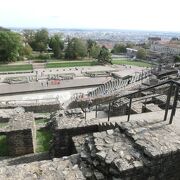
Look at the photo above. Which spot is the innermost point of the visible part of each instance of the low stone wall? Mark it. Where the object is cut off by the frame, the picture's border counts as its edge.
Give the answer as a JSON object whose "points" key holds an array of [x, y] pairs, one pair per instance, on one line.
{"points": [[21, 133], [43, 108], [20, 142], [56, 169], [35, 107], [119, 107], [63, 144], [136, 150]]}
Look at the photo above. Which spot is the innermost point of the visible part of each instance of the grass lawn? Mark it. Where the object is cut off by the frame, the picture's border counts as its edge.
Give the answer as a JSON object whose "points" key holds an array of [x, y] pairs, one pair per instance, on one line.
{"points": [[43, 138], [40, 121], [24, 67], [65, 61], [94, 63], [3, 124], [3, 146], [71, 64], [133, 63]]}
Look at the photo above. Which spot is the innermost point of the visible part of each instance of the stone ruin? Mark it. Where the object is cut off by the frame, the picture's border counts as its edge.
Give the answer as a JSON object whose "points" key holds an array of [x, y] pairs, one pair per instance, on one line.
{"points": [[143, 149], [65, 168], [95, 149], [133, 151], [20, 132]]}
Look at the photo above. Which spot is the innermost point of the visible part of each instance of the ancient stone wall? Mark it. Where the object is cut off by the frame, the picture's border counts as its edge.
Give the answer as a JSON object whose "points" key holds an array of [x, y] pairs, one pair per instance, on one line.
{"points": [[21, 133], [42, 108], [35, 107], [20, 142], [136, 150]]}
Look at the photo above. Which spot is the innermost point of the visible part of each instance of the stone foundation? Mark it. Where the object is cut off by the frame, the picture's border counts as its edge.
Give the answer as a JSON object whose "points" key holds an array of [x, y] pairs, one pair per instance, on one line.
{"points": [[35, 107], [20, 142], [21, 134], [137, 150]]}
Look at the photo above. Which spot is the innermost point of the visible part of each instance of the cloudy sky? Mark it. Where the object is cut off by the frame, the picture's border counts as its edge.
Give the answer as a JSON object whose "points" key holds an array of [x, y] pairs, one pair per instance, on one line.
{"points": [[109, 14]]}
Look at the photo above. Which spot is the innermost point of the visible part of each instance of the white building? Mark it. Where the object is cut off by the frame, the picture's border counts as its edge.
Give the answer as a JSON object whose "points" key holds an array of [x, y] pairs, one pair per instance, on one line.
{"points": [[131, 52], [166, 48]]}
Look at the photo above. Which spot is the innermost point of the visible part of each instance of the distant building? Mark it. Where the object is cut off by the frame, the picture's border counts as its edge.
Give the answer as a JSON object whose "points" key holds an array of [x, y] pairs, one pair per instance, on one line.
{"points": [[168, 48], [131, 52], [153, 40], [174, 39]]}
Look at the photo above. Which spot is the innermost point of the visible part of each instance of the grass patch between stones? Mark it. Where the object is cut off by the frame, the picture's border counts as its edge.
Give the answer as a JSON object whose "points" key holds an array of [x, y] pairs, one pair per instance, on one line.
{"points": [[41, 121], [43, 138], [3, 145]]}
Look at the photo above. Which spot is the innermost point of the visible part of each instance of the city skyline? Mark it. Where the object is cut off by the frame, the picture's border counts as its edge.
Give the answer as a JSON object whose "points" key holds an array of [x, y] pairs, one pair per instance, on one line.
{"points": [[115, 14]]}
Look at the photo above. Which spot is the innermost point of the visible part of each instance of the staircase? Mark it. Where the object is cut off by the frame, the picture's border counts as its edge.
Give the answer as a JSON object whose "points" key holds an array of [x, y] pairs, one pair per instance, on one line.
{"points": [[115, 85]]}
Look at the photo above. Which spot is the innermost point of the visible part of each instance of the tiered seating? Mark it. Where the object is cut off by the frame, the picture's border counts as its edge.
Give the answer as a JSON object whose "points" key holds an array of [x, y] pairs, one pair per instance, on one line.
{"points": [[111, 86]]}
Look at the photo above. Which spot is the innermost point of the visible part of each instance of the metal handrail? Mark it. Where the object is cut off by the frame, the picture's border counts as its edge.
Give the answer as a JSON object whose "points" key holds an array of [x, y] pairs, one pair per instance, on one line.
{"points": [[130, 96], [172, 83]]}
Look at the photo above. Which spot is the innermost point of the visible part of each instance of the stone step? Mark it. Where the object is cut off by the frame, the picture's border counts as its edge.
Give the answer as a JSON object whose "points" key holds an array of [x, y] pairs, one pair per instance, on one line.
{"points": [[138, 151]]}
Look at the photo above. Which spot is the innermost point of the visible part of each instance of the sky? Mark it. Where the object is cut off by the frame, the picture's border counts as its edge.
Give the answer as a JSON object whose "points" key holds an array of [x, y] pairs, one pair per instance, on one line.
{"points": [[158, 15]]}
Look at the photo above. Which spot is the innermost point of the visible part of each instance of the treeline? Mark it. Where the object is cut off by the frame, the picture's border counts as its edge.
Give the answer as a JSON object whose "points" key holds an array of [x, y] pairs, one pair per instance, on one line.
{"points": [[70, 48], [14, 46]]}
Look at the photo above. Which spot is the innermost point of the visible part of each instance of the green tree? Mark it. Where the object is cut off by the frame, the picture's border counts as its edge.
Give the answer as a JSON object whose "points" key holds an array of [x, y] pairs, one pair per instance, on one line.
{"points": [[104, 56], [29, 37], [94, 51], [11, 45], [129, 45], [93, 48], [119, 48], [141, 53], [41, 40], [26, 50], [76, 48], [4, 29], [56, 44]]}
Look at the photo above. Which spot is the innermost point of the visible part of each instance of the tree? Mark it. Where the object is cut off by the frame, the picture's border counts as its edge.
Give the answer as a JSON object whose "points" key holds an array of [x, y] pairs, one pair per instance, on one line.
{"points": [[141, 53], [41, 40], [26, 50], [94, 51], [29, 37], [129, 45], [119, 48], [4, 29], [56, 44], [75, 49], [104, 56], [93, 48], [11, 45]]}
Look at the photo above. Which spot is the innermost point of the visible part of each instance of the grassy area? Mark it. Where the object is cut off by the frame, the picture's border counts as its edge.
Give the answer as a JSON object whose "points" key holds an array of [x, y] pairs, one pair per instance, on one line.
{"points": [[40, 121], [94, 63], [65, 61], [3, 124], [3, 145], [133, 63], [71, 64], [43, 138], [24, 67]]}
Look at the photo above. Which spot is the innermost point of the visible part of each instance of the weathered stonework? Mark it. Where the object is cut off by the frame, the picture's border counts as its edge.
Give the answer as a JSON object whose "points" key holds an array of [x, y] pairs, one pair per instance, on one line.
{"points": [[35, 107], [67, 124], [137, 150], [57, 169], [20, 142], [21, 134]]}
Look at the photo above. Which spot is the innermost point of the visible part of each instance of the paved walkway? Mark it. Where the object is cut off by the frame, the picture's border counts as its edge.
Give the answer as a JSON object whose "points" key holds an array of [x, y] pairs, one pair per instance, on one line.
{"points": [[150, 116], [78, 71], [37, 86]]}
